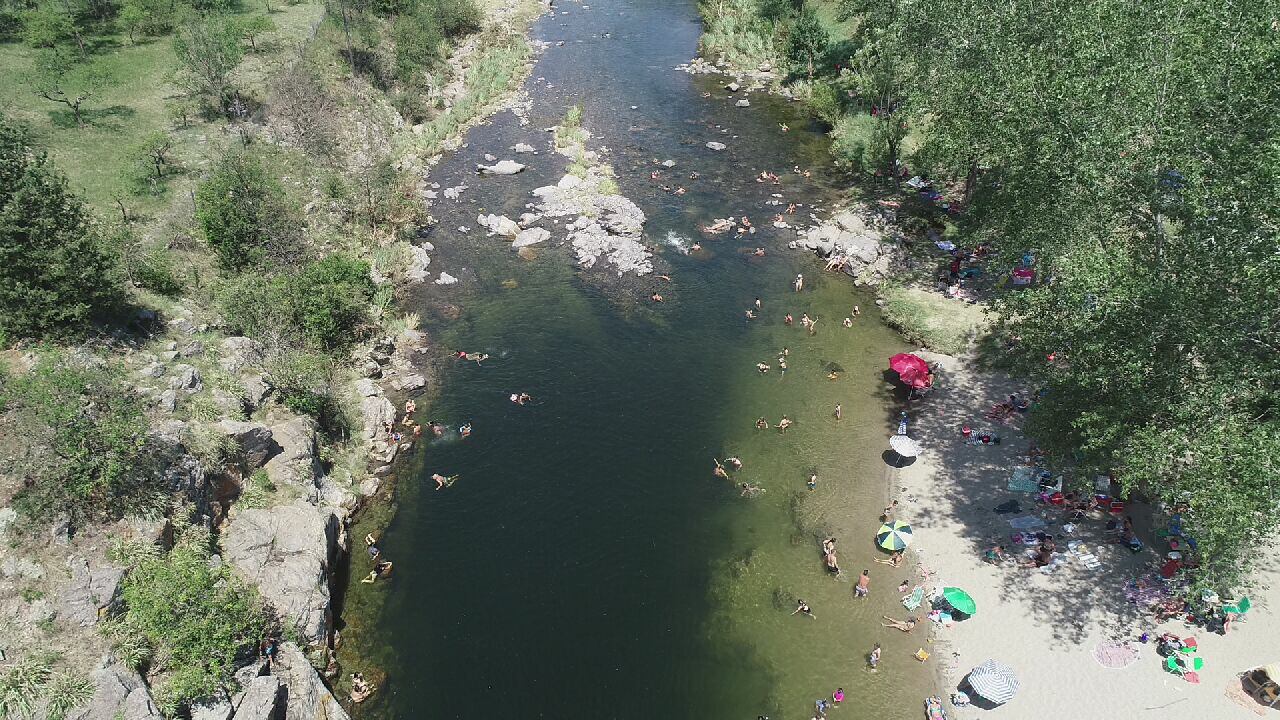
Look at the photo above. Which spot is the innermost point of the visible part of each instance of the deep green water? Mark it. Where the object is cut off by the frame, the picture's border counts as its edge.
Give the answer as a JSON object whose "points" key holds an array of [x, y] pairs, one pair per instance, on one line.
{"points": [[587, 564]]}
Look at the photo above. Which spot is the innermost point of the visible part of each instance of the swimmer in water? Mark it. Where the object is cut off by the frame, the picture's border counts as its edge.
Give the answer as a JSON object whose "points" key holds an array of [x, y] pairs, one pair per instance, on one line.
{"points": [[788, 320], [442, 481], [656, 297], [719, 472], [465, 430], [759, 252], [784, 423], [762, 367], [762, 424], [734, 461], [695, 247]]}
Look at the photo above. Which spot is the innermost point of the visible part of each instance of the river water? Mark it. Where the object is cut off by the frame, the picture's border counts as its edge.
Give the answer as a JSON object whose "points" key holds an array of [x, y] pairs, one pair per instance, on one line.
{"points": [[586, 563]]}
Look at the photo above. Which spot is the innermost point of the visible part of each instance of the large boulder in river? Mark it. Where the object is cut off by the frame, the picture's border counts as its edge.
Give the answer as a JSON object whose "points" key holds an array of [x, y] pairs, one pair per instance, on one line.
{"points": [[717, 146], [502, 167], [288, 552], [532, 236], [499, 224]]}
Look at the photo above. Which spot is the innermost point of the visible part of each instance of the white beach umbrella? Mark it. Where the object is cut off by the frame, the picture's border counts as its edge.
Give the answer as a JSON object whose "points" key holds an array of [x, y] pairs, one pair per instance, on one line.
{"points": [[904, 446]]}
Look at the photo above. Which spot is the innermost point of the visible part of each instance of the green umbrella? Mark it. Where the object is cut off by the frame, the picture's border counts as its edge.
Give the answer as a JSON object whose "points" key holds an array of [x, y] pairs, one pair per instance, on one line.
{"points": [[895, 536], [959, 600]]}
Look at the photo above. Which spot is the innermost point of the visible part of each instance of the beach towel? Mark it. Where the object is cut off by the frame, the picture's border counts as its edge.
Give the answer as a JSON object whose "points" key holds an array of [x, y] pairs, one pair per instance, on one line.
{"points": [[1025, 480], [1027, 522]]}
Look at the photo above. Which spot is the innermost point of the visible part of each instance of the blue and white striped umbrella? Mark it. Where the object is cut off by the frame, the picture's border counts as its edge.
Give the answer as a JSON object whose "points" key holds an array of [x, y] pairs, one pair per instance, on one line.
{"points": [[994, 681]]}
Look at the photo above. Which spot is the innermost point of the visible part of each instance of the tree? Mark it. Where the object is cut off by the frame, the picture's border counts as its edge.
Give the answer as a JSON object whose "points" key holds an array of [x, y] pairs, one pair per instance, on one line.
{"points": [[208, 50], [55, 272], [244, 216], [149, 17], [46, 27], [807, 44], [251, 27], [71, 82], [1131, 147]]}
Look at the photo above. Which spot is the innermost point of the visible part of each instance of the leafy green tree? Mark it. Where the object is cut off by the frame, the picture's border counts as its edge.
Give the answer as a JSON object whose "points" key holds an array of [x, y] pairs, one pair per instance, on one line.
{"points": [[198, 619], [252, 27], [1131, 148], [244, 215], [808, 41], [148, 17], [69, 81], [55, 272], [87, 456], [208, 50], [47, 27]]}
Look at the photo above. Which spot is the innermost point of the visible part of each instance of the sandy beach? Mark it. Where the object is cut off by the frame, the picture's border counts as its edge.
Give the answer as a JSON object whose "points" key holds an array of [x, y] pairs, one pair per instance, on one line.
{"points": [[1046, 626]]}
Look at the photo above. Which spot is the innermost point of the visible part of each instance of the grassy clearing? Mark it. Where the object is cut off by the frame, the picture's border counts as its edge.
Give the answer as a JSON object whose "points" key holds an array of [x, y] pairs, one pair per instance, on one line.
{"points": [[938, 323], [101, 159]]}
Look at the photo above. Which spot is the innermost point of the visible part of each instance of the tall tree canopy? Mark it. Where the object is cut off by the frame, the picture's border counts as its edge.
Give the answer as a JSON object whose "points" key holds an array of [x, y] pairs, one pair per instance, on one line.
{"points": [[1133, 148], [55, 271]]}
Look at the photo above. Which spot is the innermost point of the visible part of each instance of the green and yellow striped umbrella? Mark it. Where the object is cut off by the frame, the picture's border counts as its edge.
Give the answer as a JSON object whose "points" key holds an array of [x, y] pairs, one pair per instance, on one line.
{"points": [[894, 536]]}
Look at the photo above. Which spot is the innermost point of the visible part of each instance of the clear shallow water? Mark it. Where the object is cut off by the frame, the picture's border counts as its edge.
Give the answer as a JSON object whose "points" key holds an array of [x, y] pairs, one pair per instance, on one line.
{"points": [[586, 563]]}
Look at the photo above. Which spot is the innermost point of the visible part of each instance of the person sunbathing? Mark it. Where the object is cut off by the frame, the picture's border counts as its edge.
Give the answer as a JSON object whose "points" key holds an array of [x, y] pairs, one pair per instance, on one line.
{"points": [[905, 626], [895, 559]]}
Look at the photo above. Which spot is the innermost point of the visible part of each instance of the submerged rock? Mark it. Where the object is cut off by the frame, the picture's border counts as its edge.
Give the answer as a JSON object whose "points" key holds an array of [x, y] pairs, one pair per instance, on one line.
{"points": [[717, 146], [446, 279], [524, 148]]}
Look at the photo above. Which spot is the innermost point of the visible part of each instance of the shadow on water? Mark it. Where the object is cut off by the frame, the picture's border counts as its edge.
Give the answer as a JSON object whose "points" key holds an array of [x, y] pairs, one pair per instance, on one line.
{"points": [[586, 563]]}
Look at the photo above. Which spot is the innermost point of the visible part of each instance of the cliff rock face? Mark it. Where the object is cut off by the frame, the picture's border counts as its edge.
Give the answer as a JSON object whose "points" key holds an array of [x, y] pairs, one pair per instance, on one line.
{"points": [[306, 696], [288, 552]]}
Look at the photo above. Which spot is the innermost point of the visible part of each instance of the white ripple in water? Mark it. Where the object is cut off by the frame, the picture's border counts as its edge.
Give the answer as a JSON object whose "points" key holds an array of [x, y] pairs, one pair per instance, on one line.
{"points": [[678, 242]]}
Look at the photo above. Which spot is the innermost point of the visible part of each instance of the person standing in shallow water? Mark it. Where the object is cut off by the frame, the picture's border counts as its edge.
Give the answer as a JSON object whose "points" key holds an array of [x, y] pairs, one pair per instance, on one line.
{"points": [[839, 413], [864, 584]]}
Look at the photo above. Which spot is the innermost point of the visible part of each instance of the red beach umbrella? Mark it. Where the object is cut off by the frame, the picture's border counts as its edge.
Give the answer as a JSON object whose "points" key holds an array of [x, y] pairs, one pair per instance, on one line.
{"points": [[911, 369]]}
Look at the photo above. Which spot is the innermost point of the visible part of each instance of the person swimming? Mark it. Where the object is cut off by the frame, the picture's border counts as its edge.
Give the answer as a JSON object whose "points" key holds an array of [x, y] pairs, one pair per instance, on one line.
{"points": [[719, 472], [762, 424], [465, 430]]}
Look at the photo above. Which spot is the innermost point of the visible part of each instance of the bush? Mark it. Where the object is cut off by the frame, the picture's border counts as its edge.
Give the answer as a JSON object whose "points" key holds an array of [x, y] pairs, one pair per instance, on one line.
{"points": [[244, 216], [88, 456], [322, 308], [457, 17], [55, 270], [200, 621], [308, 384]]}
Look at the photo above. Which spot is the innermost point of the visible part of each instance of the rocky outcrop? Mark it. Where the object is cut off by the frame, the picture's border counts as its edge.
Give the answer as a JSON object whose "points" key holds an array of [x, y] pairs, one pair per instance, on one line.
{"points": [[288, 552], [419, 261], [848, 236], [262, 699], [90, 593], [608, 227], [717, 146], [296, 462], [238, 354], [119, 694], [306, 696], [255, 440]]}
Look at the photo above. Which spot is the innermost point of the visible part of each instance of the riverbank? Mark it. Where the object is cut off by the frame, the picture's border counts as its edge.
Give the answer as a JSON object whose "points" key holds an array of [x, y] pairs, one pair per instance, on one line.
{"points": [[1047, 627]]}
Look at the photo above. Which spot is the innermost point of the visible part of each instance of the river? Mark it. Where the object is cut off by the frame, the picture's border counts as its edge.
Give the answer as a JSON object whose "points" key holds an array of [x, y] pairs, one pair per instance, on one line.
{"points": [[586, 563]]}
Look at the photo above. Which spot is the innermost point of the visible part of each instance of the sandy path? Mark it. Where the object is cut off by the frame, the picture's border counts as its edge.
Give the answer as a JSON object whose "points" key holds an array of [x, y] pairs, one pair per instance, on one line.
{"points": [[1046, 626]]}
